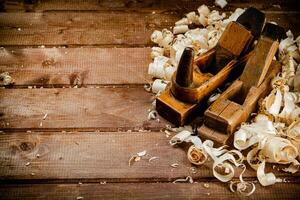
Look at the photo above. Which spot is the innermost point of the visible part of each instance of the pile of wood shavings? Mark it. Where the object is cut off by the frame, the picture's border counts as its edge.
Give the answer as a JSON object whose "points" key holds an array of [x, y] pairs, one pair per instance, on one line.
{"points": [[274, 134], [167, 54]]}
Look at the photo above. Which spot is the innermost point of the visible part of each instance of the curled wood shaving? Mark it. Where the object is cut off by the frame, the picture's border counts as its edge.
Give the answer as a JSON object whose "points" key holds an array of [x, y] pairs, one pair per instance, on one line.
{"points": [[291, 169], [180, 29], [270, 146], [133, 159], [197, 156], [221, 3], [242, 187], [152, 115], [159, 85], [147, 87], [185, 136], [6, 79], [213, 98], [223, 160], [137, 157], [188, 179]]}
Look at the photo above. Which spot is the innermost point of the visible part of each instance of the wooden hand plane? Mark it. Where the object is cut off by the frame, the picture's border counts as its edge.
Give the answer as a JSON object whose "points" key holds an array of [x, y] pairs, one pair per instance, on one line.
{"points": [[237, 102], [195, 80]]}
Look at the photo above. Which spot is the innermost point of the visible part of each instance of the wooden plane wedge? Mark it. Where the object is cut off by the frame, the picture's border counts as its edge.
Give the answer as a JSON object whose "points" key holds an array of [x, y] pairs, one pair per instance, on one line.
{"points": [[237, 102], [196, 79]]}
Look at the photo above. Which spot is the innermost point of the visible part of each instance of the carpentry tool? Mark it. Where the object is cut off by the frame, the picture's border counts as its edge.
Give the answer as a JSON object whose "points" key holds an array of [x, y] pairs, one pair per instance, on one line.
{"points": [[237, 102], [193, 81]]}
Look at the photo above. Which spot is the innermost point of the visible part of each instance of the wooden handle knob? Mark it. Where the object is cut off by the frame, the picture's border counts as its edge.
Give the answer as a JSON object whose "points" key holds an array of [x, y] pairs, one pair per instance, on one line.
{"points": [[184, 74]]}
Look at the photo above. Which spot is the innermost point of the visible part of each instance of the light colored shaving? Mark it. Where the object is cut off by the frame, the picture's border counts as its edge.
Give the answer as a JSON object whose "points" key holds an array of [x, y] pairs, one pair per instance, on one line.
{"points": [[188, 179], [137, 157], [6, 79], [174, 165], [152, 115], [152, 158]]}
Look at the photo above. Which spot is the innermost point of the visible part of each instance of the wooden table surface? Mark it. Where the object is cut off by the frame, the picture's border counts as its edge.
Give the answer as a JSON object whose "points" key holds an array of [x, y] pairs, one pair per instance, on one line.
{"points": [[81, 150]]}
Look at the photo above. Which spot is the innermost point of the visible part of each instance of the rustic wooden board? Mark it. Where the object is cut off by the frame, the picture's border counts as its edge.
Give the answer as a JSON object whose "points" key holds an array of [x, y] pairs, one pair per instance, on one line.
{"points": [[97, 156], [143, 191], [45, 5], [117, 28], [86, 108], [86, 28], [76, 66]]}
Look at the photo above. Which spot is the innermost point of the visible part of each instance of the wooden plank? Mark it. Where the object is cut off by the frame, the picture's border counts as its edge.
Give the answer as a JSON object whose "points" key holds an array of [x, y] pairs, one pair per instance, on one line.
{"points": [[97, 156], [85, 28], [76, 66], [85, 108], [98, 28], [46, 5], [143, 191]]}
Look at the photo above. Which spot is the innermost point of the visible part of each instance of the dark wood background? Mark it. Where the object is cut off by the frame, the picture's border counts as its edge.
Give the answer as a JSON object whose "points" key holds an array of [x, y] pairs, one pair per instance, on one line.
{"points": [[91, 131]]}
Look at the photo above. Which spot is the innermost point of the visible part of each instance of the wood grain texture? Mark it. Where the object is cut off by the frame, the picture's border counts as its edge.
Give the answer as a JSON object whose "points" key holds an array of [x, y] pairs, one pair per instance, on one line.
{"points": [[46, 5], [117, 28], [86, 108], [49, 67], [85, 28], [143, 191], [97, 156]]}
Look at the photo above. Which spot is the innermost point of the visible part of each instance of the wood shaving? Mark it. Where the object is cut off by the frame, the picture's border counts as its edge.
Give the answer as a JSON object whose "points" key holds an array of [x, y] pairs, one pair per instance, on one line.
{"points": [[274, 133], [206, 185], [174, 165], [194, 170], [159, 85], [152, 158], [136, 157], [168, 134], [188, 179], [45, 116], [221, 3], [6, 79], [152, 115], [142, 153], [180, 29]]}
